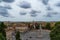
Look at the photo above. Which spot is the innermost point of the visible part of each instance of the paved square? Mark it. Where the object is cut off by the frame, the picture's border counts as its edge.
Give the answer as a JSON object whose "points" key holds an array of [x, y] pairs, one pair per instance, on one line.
{"points": [[35, 35]]}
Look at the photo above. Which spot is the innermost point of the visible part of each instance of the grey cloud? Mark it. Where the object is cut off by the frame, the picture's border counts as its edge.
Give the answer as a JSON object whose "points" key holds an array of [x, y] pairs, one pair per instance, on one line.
{"points": [[58, 4], [8, 1], [49, 8], [25, 5], [0, 0], [34, 12], [51, 14], [55, 13], [6, 7], [22, 13], [45, 2], [48, 15], [33, 15], [4, 12]]}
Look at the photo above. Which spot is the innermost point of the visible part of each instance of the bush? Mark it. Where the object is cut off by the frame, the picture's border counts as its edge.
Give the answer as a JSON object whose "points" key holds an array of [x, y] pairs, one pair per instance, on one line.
{"points": [[43, 27], [2, 37], [55, 33], [2, 29], [48, 26], [57, 23], [37, 26], [18, 35]]}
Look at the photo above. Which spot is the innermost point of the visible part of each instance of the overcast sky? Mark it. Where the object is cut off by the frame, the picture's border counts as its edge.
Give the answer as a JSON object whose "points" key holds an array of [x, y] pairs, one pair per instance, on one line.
{"points": [[29, 10]]}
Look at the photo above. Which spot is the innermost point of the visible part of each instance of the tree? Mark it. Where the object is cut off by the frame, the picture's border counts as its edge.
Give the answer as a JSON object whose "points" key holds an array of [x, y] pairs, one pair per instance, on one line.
{"points": [[2, 37], [55, 33], [2, 29], [18, 35], [57, 23], [48, 26], [37, 26]]}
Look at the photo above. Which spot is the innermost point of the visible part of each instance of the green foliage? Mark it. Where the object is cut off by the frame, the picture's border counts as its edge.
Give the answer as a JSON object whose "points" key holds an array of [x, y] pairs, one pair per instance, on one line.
{"points": [[37, 26], [55, 33], [2, 37], [2, 29], [48, 26], [57, 23], [2, 26], [18, 35]]}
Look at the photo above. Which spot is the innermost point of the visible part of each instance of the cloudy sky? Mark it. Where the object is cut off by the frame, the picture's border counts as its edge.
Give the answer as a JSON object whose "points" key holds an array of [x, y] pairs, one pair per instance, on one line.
{"points": [[29, 10]]}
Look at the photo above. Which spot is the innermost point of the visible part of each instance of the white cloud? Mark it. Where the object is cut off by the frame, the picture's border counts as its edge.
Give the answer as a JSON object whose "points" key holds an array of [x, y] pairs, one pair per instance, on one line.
{"points": [[35, 5]]}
